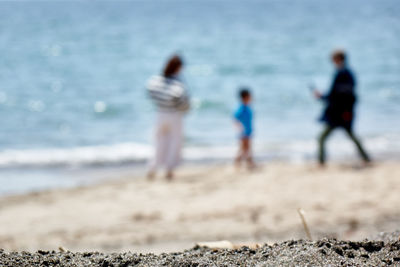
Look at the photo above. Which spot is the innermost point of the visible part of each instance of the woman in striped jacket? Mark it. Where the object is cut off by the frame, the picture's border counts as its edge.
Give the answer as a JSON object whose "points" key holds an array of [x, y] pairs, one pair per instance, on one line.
{"points": [[170, 97]]}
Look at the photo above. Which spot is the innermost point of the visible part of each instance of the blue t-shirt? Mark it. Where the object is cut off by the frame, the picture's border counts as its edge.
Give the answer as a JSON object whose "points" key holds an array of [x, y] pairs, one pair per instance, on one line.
{"points": [[244, 115]]}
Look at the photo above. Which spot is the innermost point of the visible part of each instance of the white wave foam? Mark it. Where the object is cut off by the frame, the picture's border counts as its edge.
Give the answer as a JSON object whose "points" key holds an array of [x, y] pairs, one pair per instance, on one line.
{"points": [[90, 155], [100, 155], [339, 147]]}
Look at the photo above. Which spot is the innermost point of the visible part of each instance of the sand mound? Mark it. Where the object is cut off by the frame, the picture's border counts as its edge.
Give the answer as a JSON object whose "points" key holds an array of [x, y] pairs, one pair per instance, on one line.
{"points": [[324, 252]]}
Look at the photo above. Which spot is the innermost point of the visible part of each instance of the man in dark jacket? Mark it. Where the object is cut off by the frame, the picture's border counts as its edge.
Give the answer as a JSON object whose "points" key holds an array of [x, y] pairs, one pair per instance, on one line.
{"points": [[340, 101]]}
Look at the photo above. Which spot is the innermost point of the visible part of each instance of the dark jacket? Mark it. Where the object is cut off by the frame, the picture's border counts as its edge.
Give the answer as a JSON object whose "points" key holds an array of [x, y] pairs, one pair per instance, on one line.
{"points": [[340, 100]]}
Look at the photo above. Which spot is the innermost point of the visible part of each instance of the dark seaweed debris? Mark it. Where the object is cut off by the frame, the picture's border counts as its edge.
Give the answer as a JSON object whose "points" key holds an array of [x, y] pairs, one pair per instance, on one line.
{"points": [[325, 252]]}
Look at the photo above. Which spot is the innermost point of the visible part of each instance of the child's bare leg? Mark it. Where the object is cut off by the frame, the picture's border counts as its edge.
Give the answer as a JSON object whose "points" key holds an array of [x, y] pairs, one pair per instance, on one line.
{"points": [[248, 154], [241, 153], [250, 163], [245, 149]]}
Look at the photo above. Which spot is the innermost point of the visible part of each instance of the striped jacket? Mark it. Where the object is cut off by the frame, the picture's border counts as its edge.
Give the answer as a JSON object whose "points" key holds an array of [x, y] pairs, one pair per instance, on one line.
{"points": [[168, 94]]}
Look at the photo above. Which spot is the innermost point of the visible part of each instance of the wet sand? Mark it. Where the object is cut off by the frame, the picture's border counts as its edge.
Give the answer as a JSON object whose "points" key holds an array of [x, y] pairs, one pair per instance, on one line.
{"points": [[207, 203]]}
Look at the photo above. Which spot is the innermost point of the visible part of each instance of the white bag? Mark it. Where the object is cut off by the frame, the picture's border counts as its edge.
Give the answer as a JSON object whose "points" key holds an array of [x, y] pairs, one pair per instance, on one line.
{"points": [[168, 94]]}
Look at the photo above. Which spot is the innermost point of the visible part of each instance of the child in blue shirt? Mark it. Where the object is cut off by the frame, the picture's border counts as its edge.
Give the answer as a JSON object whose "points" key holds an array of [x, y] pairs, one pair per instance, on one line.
{"points": [[244, 120]]}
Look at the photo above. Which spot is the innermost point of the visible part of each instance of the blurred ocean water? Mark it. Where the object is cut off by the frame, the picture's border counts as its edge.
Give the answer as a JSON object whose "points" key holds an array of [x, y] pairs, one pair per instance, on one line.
{"points": [[72, 76]]}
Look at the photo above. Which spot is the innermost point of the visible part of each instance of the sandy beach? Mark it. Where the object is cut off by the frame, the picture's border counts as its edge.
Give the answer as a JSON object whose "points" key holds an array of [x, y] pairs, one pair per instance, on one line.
{"points": [[206, 203]]}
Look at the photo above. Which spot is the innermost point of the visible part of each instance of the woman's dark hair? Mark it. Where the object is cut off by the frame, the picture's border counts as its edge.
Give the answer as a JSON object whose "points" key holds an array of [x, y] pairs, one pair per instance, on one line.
{"points": [[172, 67]]}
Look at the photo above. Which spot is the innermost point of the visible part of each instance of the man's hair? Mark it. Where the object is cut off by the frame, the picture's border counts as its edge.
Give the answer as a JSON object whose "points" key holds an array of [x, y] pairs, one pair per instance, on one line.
{"points": [[172, 66], [244, 93], [339, 54]]}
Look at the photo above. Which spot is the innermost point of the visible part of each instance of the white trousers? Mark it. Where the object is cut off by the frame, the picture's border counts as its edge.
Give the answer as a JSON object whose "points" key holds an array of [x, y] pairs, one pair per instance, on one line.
{"points": [[168, 141]]}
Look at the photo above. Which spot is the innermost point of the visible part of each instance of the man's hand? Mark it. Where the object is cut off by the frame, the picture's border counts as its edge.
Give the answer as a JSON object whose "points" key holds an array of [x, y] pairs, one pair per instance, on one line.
{"points": [[317, 94]]}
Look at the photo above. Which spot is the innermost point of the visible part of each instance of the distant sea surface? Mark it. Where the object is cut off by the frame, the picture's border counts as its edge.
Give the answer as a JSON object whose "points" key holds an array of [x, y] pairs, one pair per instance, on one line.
{"points": [[73, 75]]}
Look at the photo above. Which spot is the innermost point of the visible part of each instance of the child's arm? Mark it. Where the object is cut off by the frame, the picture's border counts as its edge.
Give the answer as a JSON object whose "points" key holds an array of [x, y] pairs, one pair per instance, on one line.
{"points": [[236, 119], [238, 126]]}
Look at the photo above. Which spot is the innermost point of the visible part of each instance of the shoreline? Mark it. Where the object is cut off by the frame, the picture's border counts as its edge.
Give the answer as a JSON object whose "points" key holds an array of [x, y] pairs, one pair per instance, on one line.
{"points": [[206, 203], [42, 179]]}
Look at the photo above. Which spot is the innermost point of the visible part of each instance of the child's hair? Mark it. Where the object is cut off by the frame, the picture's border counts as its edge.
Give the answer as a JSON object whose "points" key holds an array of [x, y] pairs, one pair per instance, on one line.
{"points": [[244, 93]]}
